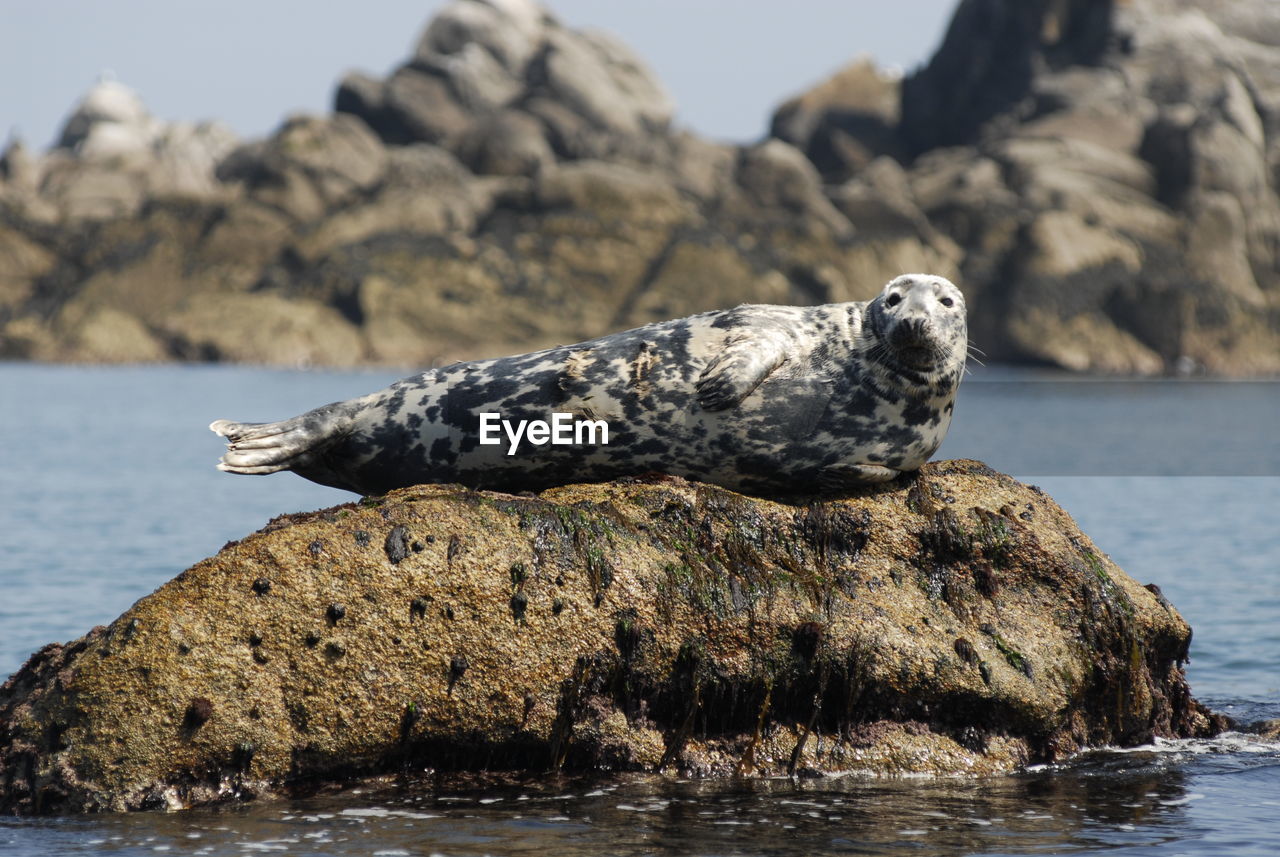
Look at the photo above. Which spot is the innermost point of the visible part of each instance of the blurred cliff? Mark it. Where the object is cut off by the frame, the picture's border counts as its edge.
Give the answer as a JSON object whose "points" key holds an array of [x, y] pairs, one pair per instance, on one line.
{"points": [[1100, 176]]}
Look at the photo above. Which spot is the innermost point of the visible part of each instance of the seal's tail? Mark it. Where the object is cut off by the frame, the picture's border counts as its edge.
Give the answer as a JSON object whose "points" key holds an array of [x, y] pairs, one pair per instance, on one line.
{"points": [[259, 448]]}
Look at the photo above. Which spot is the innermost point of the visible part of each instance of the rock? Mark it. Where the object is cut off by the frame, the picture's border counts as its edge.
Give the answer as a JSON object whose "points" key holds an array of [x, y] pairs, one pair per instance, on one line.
{"points": [[365, 96], [509, 31], [571, 136], [110, 121], [955, 624], [703, 168], [27, 338], [101, 334], [964, 195], [23, 261], [595, 78], [612, 191], [1082, 342], [879, 200], [1100, 177], [19, 171], [1218, 246], [187, 156], [988, 60], [477, 81], [263, 329], [403, 212], [697, 276], [479, 58], [131, 265], [1062, 244], [428, 192], [406, 325], [510, 143], [426, 168], [243, 238], [1094, 105], [1140, 131], [419, 107], [777, 175], [845, 122], [91, 190], [112, 155], [309, 165]]}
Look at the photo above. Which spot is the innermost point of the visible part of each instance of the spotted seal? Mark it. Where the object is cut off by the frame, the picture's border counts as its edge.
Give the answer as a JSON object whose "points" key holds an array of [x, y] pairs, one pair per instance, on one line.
{"points": [[757, 398]]}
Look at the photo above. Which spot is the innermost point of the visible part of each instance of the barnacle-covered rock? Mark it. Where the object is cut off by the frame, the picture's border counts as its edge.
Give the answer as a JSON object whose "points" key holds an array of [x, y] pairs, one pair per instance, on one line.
{"points": [[957, 622]]}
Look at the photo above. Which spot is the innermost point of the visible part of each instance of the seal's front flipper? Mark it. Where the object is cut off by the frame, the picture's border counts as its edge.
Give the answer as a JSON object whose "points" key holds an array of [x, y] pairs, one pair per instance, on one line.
{"points": [[837, 476], [747, 359], [259, 448]]}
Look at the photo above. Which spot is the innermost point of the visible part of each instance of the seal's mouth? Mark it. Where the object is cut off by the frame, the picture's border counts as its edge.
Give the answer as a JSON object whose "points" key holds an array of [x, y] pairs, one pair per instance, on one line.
{"points": [[913, 346], [918, 356]]}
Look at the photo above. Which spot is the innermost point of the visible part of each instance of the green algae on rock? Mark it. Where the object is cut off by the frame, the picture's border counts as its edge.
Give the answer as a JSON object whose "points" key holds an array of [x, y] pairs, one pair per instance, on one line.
{"points": [[954, 623]]}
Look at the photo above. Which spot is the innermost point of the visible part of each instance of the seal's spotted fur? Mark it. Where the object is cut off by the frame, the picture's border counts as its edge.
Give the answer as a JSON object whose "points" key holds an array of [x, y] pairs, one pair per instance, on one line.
{"points": [[757, 398]]}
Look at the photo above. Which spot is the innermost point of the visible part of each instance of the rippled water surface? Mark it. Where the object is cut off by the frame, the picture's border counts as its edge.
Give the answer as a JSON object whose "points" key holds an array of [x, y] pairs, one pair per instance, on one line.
{"points": [[107, 490]]}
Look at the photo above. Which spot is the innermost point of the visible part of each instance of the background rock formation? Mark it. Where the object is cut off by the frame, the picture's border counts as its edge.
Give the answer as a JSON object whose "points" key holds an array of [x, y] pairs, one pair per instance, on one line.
{"points": [[958, 623], [1109, 170], [1099, 176]]}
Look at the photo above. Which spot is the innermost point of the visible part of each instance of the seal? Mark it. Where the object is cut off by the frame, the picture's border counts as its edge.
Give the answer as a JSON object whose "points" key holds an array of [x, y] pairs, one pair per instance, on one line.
{"points": [[762, 399]]}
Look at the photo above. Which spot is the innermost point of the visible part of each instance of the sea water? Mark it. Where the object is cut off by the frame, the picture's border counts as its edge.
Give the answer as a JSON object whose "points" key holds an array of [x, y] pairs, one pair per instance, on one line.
{"points": [[107, 490]]}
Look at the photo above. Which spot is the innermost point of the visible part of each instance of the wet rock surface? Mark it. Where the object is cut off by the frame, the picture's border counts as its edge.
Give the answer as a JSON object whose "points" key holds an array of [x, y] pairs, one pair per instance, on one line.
{"points": [[1100, 177], [954, 623]]}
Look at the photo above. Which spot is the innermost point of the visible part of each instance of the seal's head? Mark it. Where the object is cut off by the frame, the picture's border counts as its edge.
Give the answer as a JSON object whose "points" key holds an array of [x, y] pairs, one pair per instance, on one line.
{"points": [[918, 324]]}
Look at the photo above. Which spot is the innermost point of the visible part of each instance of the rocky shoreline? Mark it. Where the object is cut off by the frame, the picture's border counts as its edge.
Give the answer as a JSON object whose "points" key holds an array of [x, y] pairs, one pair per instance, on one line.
{"points": [[1103, 186], [954, 623]]}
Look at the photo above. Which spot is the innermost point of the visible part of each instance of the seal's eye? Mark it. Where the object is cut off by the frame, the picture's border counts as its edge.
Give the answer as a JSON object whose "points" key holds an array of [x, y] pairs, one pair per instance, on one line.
{"points": [[893, 299], [946, 302]]}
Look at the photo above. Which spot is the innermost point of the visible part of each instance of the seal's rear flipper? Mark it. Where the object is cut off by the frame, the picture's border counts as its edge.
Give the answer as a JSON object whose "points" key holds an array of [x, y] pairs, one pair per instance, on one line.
{"points": [[259, 448]]}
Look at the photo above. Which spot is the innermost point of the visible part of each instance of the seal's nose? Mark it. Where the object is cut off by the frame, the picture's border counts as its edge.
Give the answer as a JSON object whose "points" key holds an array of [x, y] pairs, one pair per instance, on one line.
{"points": [[910, 331]]}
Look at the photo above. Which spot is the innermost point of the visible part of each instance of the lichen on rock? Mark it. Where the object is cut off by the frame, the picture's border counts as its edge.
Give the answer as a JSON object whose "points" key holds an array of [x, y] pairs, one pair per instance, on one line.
{"points": [[954, 623]]}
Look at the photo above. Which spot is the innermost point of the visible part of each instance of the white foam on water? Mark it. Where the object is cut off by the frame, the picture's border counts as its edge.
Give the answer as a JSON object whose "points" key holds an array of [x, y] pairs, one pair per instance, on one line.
{"points": [[383, 812]]}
